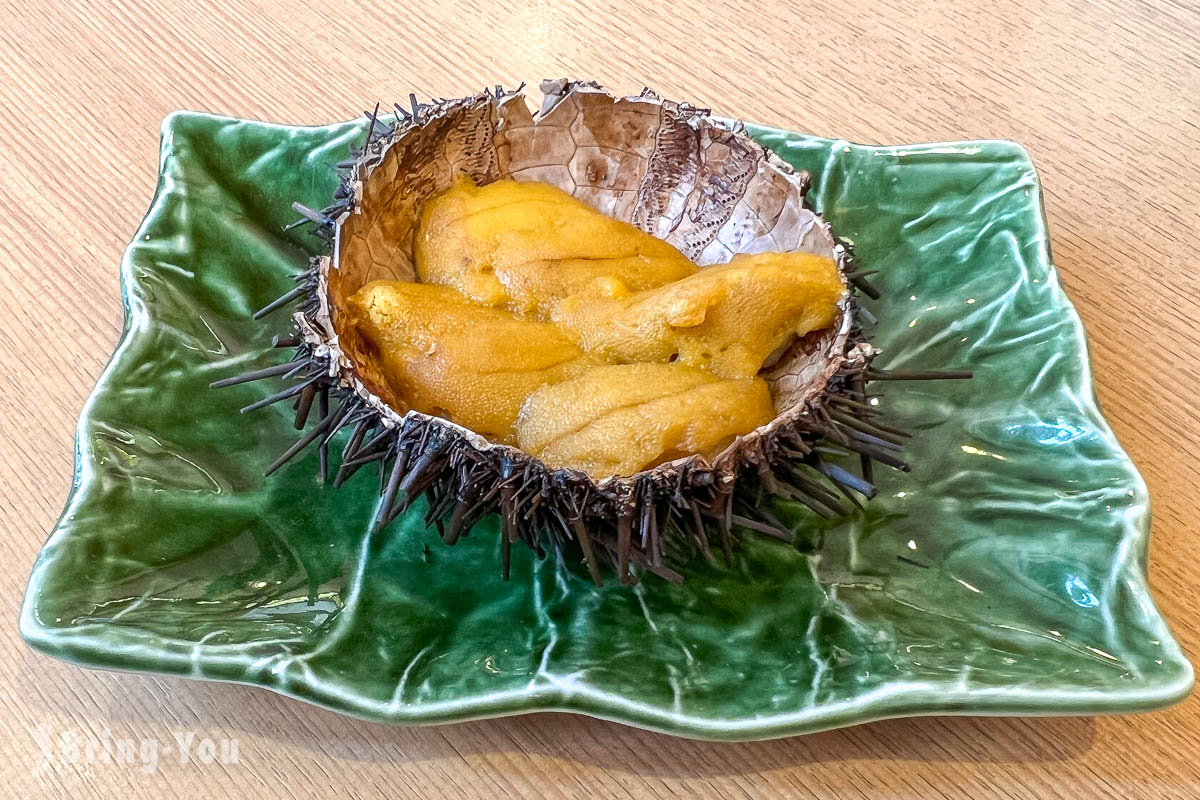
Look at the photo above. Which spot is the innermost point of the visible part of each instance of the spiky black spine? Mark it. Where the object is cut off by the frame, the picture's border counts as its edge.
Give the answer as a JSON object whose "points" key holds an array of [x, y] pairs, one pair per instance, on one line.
{"points": [[647, 522]]}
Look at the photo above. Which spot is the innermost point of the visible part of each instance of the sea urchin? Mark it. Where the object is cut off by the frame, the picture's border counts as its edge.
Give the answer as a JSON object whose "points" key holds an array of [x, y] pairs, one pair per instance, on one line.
{"points": [[671, 170]]}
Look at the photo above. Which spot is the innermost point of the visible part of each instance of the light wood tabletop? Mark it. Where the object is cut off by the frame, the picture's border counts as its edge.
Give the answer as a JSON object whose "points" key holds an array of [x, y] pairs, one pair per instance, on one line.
{"points": [[1105, 95]]}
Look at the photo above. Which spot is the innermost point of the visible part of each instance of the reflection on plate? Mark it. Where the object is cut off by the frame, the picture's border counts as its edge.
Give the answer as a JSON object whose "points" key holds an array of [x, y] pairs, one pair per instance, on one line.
{"points": [[1005, 574]]}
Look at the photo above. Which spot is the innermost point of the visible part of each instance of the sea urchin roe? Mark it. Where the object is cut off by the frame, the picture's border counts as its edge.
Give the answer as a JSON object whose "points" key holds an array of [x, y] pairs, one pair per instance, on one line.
{"points": [[526, 245], [621, 419], [446, 356], [724, 319], [586, 342]]}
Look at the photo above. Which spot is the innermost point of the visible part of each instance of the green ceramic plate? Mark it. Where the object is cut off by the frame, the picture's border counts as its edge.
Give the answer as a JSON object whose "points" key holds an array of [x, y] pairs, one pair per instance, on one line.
{"points": [[1005, 574]]}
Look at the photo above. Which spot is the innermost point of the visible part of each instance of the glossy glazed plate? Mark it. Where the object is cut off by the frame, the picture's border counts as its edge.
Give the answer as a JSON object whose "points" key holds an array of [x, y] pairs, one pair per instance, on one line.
{"points": [[1005, 574]]}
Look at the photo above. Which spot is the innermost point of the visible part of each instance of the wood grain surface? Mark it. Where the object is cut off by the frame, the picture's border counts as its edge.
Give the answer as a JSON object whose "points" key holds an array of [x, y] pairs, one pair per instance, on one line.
{"points": [[1104, 94]]}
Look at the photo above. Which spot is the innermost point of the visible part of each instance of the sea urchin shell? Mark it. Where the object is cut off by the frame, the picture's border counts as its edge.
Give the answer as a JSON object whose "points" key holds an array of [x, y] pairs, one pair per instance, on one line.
{"points": [[671, 170]]}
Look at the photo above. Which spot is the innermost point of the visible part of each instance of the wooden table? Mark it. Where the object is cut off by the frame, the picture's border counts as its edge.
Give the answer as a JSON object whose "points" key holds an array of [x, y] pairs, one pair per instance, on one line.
{"points": [[1106, 96]]}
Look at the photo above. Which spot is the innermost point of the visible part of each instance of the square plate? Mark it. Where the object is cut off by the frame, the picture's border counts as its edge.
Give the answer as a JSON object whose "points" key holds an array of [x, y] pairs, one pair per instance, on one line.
{"points": [[1005, 574]]}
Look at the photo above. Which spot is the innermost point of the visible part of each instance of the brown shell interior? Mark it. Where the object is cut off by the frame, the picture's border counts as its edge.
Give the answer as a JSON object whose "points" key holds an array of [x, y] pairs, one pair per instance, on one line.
{"points": [[667, 168]]}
